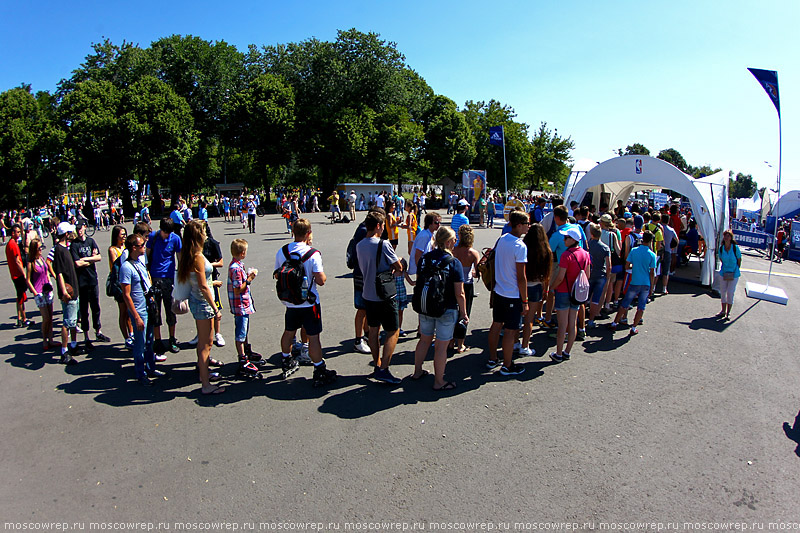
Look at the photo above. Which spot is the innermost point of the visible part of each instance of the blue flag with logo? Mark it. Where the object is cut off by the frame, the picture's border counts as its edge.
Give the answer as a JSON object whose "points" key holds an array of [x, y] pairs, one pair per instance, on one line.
{"points": [[496, 135], [769, 81]]}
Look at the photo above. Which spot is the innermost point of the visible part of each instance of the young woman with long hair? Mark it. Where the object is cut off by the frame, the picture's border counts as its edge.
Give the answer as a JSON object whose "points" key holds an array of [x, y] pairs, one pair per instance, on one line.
{"points": [[39, 283], [537, 271], [118, 236], [469, 257], [442, 326], [195, 269], [731, 257]]}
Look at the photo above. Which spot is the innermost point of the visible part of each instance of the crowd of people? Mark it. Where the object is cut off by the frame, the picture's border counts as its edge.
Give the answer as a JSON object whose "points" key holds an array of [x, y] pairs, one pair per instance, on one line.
{"points": [[557, 268]]}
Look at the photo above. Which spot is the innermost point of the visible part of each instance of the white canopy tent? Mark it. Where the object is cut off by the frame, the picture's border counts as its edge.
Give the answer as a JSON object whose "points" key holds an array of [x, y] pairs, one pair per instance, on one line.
{"points": [[788, 205], [622, 176]]}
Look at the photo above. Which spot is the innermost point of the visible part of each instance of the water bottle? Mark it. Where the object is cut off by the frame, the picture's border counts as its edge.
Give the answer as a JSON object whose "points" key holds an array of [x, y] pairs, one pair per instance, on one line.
{"points": [[304, 288]]}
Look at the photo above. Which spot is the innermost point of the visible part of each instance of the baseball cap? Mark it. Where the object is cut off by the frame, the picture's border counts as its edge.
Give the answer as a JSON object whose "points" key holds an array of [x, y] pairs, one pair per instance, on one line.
{"points": [[79, 224], [572, 232], [606, 218], [463, 202], [638, 222], [64, 228], [627, 215]]}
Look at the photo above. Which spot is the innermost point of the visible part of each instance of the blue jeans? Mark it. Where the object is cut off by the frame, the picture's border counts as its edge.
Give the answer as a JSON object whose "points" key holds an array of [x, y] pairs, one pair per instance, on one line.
{"points": [[144, 360], [596, 287]]}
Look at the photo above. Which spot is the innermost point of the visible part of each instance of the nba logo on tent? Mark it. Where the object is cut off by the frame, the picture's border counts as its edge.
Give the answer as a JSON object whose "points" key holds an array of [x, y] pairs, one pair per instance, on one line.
{"points": [[638, 166]]}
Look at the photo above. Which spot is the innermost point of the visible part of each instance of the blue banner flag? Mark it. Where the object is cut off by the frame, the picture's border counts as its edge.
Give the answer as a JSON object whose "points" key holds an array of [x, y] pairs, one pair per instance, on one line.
{"points": [[496, 135], [769, 81]]}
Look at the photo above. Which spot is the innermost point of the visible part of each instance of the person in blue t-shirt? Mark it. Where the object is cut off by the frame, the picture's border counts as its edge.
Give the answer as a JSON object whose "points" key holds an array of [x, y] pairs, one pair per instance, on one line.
{"points": [[459, 219], [135, 283], [163, 245], [642, 263]]}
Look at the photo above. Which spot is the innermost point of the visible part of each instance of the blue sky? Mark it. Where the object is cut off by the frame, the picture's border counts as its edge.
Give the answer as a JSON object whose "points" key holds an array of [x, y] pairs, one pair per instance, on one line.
{"points": [[666, 74]]}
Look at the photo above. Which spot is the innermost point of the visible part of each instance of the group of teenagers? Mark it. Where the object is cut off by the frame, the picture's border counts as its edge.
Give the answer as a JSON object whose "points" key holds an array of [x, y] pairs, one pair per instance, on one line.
{"points": [[535, 270]]}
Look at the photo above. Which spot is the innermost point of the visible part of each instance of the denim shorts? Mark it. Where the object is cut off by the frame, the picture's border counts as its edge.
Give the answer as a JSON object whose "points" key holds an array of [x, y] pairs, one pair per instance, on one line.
{"points": [[241, 326], [535, 293], [443, 326], [596, 287], [43, 299], [562, 302], [201, 310], [70, 312], [642, 291]]}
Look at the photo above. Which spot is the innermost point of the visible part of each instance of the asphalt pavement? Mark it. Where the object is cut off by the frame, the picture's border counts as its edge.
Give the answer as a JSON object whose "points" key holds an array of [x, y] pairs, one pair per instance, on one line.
{"points": [[692, 421]]}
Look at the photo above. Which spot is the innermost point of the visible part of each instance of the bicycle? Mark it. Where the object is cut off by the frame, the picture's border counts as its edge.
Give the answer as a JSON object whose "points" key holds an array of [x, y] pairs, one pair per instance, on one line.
{"points": [[261, 211]]}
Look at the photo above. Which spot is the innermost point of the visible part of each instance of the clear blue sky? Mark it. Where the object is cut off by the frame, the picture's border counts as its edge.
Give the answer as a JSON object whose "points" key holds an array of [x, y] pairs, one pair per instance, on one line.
{"points": [[608, 74]]}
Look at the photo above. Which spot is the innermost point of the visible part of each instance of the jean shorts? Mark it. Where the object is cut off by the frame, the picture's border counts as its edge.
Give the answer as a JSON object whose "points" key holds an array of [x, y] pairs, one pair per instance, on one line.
{"points": [[562, 302], [43, 299], [596, 287], [241, 327], [642, 291], [201, 310], [443, 326], [70, 312]]}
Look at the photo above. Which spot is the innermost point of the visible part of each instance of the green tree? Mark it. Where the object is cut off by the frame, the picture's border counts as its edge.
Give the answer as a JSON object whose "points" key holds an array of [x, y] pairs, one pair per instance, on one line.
{"points": [[634, 149], [30, 146], [448, 146], [159, 129], [743, 186], [550, 154], [259, 120], [674, 157], [395, 146], [95, 147], [480, 117]]}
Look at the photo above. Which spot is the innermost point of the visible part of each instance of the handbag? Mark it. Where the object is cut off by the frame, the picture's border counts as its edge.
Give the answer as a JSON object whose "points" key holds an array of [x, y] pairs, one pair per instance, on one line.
{"points": [[385, 286], [149, 297], [727, 276], [180, 296]]}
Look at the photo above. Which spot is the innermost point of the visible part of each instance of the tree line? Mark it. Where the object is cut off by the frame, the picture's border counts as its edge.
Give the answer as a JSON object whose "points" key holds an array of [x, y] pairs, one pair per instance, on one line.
{"points": [[186, 113]]}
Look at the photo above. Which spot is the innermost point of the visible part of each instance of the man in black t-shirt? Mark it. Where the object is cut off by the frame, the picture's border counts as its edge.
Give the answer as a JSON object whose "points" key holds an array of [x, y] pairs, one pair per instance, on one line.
{"points": [[85, 253], [66, 283]]}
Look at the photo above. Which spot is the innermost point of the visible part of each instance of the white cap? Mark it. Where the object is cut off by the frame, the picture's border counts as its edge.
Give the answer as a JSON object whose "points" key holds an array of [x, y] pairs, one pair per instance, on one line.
{"points": [[463, 202], [572, 232], [64, 228]]}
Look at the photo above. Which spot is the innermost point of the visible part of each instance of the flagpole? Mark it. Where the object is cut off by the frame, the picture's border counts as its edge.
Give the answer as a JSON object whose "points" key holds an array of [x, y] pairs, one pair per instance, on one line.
{"points": [[775, 229], [505, 168]]}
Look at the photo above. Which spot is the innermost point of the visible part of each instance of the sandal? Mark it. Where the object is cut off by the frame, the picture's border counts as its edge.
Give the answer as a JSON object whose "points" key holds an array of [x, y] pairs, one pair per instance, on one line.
{"points": [[214, 362], [447, 386], [424, 373], [215, 390], [462, 349]]}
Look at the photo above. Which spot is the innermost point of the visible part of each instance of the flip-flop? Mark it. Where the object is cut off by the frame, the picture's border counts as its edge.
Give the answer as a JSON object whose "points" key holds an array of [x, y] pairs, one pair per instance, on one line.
{"points": [[447, 386], [215, 390], [424, 373]]}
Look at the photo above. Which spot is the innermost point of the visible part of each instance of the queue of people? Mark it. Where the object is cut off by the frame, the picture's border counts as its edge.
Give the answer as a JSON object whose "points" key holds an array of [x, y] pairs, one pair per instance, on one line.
{"points": [[563, 274]]}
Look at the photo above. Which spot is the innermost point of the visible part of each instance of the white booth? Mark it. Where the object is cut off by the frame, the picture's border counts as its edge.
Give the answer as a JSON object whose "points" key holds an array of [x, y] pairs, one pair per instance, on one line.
{"points": [[618, 178]]}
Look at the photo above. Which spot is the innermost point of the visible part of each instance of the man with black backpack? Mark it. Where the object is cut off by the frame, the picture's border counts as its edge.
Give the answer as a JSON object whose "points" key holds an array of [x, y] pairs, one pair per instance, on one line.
{"points": [[360, 344], [378, 262], [298, 271]]}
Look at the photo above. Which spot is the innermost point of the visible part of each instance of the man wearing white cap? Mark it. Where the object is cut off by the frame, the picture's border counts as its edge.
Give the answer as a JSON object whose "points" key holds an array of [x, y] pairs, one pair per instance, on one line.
{"points": [[67, 285]]}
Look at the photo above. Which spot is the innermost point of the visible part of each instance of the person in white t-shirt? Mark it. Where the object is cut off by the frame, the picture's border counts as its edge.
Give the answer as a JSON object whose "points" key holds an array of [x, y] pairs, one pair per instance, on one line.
{"points": [[380, 201], [509, 296], [423, 242], [307, 315]]}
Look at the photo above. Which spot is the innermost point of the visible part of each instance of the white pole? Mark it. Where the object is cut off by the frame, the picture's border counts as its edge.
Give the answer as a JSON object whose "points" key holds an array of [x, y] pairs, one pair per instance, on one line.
{"points": [[775, 229], [505, 168]]}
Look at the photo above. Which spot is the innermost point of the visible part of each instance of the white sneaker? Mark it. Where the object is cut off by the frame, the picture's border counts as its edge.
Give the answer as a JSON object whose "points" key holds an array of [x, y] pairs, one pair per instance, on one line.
{"points": [[193, 342], [526, 351], [218, 340], [161, 357], [363, 347]]}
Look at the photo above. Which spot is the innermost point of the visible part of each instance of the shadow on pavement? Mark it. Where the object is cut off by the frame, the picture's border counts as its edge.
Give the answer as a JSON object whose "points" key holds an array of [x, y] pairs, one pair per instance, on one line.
{"points": [[715, 324], [793, 433]]}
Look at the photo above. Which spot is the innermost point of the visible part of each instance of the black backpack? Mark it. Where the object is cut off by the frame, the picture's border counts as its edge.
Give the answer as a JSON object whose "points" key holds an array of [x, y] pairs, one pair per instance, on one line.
{"points": [[428, 298], [113, 288], [289, 278], [351, 259]]}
